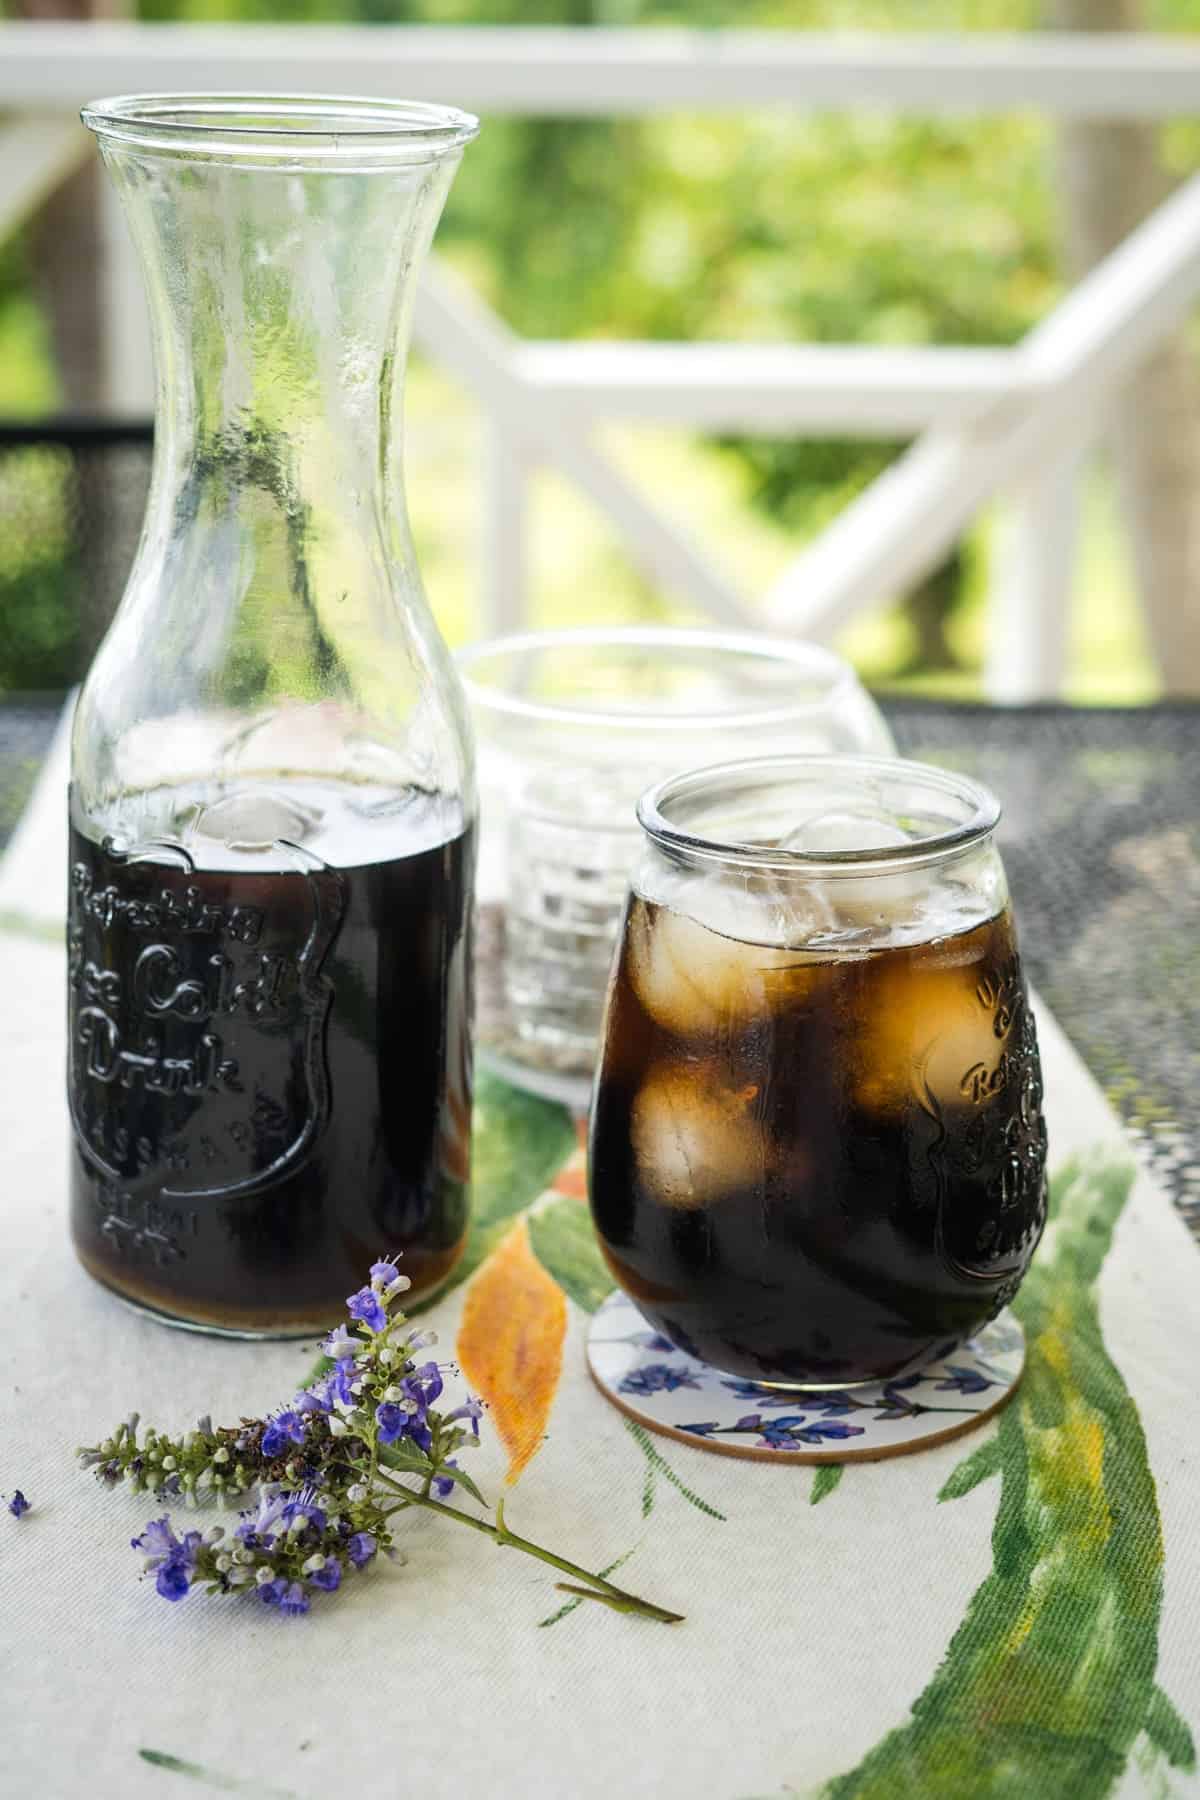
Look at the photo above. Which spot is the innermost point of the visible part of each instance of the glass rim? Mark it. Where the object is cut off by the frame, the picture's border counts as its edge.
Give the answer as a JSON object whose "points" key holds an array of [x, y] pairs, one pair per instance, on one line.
{"points": [[325, 127], [800, 655], [985, 813]]}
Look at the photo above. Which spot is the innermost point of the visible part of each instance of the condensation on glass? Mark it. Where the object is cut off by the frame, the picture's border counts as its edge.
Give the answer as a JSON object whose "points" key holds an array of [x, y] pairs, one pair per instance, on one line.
{"points": [[272, 802]]}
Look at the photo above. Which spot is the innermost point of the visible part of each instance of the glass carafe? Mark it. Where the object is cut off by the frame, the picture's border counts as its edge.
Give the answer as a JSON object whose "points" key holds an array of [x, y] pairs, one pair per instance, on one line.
{"points": [[272, 802]]}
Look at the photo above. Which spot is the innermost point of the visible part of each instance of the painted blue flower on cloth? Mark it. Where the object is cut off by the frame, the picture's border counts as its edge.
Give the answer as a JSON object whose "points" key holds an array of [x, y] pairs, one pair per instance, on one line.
{"points": [[831, 1403], [782, 1434], [964, 1381], [684, 1397], [837, 1404], [779, 1434], [657, 1378]]}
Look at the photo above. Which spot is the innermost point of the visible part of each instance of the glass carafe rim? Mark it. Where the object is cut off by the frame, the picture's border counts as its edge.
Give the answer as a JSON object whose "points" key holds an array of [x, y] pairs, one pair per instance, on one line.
{"points": [[295, 128], [813, 659], [981, 813]]}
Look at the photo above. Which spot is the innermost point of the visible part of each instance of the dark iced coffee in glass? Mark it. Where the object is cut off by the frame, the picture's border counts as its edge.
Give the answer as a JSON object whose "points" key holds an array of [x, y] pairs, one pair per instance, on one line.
{"points": [[817, 1153]]}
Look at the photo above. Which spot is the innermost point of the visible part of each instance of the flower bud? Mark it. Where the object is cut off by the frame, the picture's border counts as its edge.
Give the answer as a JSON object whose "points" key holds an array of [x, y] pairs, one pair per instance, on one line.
{"points": [[393, 1393], [168, 1462], [264, 1574], [337, 1427], [214, 1534], [221, 1455], [315, 1562], [224, 1563], [239, 1577], [356, 1492]]}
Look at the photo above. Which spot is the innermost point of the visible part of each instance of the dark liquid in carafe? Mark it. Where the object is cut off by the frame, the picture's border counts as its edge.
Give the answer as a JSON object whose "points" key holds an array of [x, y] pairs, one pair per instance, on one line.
{"points": [[817, 1171], [269, 1075]]}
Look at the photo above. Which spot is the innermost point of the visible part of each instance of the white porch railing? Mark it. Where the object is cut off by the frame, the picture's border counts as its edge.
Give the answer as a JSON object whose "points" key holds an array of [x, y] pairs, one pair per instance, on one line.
{"points": [[985, 422]]}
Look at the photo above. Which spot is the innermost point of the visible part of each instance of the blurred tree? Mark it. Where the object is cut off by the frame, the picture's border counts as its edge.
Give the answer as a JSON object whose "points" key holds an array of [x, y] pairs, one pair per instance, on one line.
{"points": [[768, 225]]}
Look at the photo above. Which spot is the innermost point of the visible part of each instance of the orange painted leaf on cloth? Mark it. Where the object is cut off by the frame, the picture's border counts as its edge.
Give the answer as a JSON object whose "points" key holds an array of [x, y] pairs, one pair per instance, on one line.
{"points": [[510, 1344], [572, 1177]]}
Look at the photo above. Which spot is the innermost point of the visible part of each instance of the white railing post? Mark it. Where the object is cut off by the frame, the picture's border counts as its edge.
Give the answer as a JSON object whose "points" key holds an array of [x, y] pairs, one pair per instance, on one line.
{"points": [[1029, 610], [456, 328], [1065, 373], [128, 353], [504, 539]]}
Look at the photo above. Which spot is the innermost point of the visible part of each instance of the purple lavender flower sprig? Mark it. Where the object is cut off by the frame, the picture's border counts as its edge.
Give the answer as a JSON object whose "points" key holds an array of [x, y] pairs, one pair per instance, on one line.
{"points": [[325, 1470], [284, 1552]]}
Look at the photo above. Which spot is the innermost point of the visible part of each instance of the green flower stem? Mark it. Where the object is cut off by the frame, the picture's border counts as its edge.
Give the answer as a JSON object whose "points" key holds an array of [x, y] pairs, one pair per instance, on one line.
{"points": [[598, 1588], [621, 1606]]}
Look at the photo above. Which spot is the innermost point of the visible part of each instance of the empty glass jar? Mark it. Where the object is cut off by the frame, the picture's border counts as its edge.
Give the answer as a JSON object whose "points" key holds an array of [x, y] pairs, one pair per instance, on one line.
{"points": [[570, 727]]}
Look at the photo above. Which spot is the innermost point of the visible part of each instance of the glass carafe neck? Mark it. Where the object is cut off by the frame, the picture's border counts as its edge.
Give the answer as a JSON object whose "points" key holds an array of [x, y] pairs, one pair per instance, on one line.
{"points": [[275, 600], [281, 300]]}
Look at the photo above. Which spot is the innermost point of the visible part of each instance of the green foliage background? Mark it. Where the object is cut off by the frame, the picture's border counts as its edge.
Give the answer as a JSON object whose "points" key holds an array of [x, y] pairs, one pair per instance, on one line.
{"points": [[768, 226]]}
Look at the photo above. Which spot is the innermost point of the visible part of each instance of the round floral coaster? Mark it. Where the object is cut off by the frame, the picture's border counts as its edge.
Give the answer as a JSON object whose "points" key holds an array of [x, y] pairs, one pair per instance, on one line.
{"points": [[663, 1389]]}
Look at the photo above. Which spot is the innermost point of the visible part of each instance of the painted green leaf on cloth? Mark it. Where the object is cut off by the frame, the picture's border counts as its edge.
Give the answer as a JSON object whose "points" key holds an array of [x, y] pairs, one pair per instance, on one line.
{"points": [[565, 1243], [1168, 1733], [1048, 1683], [212, 1778], [657, 1464], [519, 1143], [825, 1479], [981, 1465]]}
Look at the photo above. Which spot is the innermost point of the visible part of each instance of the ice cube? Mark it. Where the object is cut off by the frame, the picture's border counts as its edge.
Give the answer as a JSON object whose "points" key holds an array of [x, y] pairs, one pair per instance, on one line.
{"points": [[694, 981], [931, 1030], [251, 820], [846, 831], [694, 1137]]}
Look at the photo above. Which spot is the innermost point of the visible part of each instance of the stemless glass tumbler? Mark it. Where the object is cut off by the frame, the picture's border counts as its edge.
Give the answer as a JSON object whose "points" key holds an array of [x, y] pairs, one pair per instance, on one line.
{"points": [[571, 726], [817, 1148], [272, 803]]}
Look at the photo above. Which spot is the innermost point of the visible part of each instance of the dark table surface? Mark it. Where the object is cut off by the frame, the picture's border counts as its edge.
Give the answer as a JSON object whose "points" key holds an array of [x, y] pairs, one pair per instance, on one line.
{"points": [[1101, 838]]}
